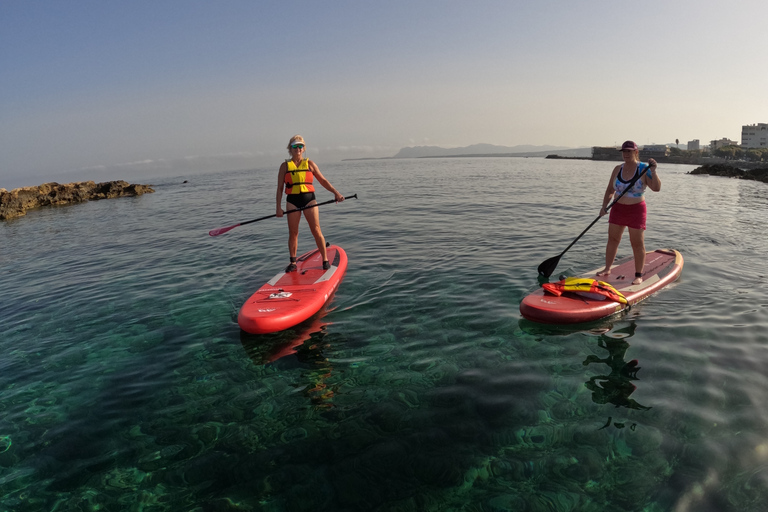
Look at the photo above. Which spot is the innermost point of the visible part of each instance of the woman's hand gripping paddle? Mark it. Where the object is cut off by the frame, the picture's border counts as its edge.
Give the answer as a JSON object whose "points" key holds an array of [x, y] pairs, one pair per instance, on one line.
{"points": [[221, 231], [547, 267]]}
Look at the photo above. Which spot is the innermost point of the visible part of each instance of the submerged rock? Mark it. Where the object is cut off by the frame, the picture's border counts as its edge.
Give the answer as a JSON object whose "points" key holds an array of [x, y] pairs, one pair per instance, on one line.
{"points": [[16, 202]]}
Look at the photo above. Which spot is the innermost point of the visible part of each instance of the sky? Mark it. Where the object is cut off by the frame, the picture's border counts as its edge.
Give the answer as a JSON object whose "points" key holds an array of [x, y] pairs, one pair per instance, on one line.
{"points": [[109, 89]]}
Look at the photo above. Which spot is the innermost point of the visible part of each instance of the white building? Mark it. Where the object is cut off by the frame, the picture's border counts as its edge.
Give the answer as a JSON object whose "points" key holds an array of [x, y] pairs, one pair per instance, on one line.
{"points": [[716, 144], [694, 145], [754, 136]]}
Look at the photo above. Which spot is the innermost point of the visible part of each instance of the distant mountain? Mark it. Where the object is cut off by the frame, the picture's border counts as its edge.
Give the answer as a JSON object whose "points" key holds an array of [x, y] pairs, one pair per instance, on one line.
{"points": [[490, 150]]}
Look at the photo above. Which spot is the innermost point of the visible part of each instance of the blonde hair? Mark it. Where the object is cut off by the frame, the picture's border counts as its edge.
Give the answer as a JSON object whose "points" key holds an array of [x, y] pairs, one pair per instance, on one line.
{"points": [[294, 140]]}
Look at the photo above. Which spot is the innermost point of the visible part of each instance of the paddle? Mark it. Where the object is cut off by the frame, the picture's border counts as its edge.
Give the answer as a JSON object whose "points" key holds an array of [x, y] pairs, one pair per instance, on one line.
{"points": [[221, 231], [548, 266]]}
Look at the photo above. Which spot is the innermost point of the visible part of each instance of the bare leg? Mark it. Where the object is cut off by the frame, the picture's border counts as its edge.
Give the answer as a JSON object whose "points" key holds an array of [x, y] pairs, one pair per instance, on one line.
{"points": [[293, 230], [612, 247], [313, 219], [637, 239]]}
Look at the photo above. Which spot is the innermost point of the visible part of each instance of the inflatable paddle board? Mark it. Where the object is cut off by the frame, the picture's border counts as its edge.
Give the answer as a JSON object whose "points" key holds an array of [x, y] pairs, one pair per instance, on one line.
{"points": [[289, 298], [662, 267]]}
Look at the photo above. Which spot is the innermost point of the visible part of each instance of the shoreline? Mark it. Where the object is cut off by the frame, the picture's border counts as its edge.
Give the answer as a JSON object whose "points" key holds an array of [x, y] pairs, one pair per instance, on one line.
{"points": [[740, 164]]}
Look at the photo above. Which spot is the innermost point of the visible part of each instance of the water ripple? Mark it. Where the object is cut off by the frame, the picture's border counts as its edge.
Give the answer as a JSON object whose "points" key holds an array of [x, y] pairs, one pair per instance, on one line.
{"points": [[126, 381]]}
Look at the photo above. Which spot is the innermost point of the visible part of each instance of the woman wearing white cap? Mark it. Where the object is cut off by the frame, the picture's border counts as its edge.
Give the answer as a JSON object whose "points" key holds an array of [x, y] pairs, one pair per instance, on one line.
{"points": [[629, 211], [297, 176]]}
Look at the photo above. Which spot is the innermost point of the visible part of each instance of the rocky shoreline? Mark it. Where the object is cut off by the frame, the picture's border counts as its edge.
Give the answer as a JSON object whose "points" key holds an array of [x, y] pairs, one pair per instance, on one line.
{"points": [[16, 202], [729, 171]]}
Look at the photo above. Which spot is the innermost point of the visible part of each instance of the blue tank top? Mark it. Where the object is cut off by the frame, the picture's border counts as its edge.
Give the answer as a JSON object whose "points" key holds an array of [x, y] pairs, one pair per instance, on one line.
{"points": [[637, 190]]}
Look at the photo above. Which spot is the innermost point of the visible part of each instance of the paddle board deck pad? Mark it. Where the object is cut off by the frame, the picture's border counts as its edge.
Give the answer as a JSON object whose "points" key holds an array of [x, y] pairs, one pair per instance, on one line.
{"points": [[289, 298], [662, 267]]}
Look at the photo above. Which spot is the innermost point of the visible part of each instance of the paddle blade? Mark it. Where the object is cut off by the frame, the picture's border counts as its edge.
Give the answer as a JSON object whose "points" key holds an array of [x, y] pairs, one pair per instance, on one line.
{"points": [[548, 266], [221, 231]]}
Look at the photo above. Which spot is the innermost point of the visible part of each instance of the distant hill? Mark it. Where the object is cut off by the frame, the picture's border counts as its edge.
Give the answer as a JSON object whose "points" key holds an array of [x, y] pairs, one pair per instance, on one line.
{"points": [[491, 150]]}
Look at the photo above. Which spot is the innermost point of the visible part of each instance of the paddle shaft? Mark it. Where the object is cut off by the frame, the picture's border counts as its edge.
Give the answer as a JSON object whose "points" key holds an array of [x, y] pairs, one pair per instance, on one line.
{"points": [[543, 268], [220, 231], [631, 184]]}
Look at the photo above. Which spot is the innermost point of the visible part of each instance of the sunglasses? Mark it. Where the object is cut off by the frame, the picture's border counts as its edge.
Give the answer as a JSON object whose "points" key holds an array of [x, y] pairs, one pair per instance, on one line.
{"points": [[297, 146]]}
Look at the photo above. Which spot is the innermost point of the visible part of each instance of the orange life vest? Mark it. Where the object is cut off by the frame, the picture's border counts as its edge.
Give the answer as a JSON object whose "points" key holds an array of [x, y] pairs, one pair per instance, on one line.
{"points": [[298, 179], [587, 287]]}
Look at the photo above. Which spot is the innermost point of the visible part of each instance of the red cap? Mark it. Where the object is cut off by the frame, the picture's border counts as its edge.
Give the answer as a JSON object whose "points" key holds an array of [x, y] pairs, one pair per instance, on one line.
{"points": [[629, 145]]}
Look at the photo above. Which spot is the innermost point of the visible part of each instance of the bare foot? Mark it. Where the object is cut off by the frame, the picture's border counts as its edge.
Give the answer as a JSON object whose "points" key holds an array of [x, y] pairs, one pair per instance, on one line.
{"points": [[604, 272], [637, 280]]}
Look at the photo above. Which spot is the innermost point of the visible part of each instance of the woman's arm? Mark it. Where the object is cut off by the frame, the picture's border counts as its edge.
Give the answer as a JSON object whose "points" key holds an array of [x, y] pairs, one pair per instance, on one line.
{"points": [[280, 185], [609, 190], [324, 182], [651, 177]]}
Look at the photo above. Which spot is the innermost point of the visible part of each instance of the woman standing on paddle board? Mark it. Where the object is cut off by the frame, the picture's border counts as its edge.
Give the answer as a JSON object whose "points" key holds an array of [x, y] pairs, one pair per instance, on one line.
{"points": [[629, 211], [296, 176]]}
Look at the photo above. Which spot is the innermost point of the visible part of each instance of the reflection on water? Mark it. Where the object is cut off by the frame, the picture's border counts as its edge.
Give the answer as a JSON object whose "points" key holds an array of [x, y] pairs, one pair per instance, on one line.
{"points": [[617, 385], [614, 384], [319, 370], [302, 345], [268, 348]]}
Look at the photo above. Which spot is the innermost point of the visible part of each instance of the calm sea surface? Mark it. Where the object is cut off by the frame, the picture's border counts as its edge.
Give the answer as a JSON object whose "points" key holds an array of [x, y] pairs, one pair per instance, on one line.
{"points": [[126, 383]]}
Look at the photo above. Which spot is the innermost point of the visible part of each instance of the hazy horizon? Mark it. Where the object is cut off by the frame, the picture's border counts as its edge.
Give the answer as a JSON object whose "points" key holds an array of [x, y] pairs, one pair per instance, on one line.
{"points": [[124, 90]]}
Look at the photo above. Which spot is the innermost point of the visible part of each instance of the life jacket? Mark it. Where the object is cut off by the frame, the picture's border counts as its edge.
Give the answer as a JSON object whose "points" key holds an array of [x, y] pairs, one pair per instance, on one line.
{"points": [[598, 290], [298, 179]]}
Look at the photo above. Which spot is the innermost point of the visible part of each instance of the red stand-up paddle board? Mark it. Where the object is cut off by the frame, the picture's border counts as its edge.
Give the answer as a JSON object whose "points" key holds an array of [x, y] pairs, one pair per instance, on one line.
{"points": [[662, 267], [290, 298]]}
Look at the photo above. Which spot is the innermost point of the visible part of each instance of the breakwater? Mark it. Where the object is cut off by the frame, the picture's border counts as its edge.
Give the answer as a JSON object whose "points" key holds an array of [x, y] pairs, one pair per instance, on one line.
{"points": [[729, 171], [16, 202]]}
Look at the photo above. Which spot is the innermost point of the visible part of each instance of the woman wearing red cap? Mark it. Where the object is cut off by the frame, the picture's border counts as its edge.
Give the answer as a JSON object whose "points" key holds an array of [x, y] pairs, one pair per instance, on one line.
{"points": [[629, 211], [296, 176]]}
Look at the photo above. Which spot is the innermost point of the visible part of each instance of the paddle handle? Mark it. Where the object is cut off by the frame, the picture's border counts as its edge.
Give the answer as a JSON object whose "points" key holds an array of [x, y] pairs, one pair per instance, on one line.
{"points": [[302, 208], [221, 231]]}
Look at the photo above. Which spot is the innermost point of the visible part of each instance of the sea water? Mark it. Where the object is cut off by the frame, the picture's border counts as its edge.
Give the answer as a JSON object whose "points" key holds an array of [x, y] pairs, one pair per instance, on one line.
{"points": [[126, 383]]}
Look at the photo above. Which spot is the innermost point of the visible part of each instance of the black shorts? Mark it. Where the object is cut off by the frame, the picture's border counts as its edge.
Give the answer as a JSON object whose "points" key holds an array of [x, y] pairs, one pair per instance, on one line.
{"points": [[300, 200]]}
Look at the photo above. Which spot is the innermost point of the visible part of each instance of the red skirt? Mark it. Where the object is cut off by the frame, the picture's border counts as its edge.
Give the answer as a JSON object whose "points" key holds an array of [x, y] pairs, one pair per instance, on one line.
{"points": [[630, 215]]}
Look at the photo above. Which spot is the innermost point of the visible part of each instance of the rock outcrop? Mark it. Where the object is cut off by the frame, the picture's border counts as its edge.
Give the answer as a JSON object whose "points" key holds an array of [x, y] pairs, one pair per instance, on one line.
{"points": [[732, 172], [16, 202]]}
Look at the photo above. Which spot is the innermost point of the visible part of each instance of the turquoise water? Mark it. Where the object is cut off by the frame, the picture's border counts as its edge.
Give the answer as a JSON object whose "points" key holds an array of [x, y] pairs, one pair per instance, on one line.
{"points": [[126, 384]]}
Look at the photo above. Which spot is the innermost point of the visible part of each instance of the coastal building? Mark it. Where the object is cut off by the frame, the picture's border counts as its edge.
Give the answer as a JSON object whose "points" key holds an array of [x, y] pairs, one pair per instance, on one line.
{"points": [[605, 153], [717, 144], [654, 151], [694, 145], [614, 152], [754, 135]]}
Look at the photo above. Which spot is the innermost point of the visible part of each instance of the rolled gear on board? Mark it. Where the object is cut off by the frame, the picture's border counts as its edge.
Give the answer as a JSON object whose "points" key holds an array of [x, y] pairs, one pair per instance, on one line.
{"points": [[587, 287]]}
